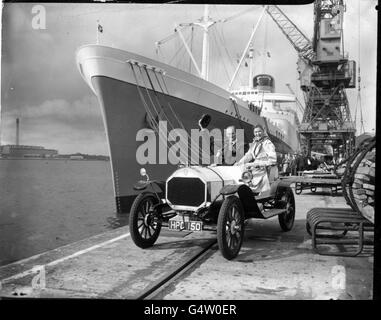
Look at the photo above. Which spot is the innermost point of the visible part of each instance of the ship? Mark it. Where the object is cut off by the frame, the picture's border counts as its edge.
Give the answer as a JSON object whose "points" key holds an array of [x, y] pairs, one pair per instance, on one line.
{"points": [[278, 108], [135, 92]]}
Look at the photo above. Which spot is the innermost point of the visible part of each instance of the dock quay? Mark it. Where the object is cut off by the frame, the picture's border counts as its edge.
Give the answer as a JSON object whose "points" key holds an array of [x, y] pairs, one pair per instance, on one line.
{"points": [[209, 155], [183, 265]]}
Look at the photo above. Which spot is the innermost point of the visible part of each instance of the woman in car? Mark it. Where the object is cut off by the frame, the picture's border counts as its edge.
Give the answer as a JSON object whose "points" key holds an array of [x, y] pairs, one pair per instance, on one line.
{"points": [[259, 158]]}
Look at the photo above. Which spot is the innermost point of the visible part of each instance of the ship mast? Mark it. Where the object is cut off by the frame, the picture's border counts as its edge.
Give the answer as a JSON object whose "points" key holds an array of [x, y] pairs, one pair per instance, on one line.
{"points": [[205, 24], [251, 67], [247, 48]]}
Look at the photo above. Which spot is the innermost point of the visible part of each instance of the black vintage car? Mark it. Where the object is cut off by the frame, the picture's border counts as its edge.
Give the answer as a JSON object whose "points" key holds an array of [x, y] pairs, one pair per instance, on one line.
{"points": [[196, 198]]}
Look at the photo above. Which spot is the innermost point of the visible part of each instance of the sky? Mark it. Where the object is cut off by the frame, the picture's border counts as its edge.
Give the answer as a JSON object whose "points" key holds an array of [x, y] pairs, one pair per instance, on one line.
{"points": [[40, 83]]}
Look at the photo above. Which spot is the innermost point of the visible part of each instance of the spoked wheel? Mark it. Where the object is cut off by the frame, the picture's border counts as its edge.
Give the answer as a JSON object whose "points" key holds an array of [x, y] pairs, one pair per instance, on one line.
{"points": [[286, 220], [230, 227], [145, 224]]}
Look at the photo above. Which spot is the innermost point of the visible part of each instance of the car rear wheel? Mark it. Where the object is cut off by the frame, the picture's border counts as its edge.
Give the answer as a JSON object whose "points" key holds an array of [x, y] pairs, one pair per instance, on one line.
{"points": [[230, 227], [286, 219], [145, 223]]}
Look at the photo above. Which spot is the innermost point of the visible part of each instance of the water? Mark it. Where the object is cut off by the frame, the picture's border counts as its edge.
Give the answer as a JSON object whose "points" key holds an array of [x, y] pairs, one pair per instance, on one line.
{"points": [[45, 204]]}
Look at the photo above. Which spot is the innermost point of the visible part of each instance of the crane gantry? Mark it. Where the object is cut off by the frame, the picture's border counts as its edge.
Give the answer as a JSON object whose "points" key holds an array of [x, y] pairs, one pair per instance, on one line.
{"points": [[324, 73]]}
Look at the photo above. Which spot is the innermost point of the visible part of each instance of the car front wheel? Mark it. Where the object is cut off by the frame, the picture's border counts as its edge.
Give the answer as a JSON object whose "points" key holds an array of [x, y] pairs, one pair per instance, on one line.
{"points": [[145, 223], [230, 227]]}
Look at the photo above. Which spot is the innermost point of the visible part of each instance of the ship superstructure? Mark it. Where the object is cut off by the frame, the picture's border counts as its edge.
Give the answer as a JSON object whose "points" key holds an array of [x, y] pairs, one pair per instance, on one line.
{"points": [[278, 108]]}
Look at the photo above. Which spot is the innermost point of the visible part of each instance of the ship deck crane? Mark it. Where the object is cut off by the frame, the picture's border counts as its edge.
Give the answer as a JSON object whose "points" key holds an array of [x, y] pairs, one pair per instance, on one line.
{"points": [[325, 72]]}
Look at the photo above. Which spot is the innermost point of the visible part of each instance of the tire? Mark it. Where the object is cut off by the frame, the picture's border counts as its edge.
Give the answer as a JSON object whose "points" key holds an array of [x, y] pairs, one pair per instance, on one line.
{"points": [[230, 227], [144, 226], [286, 220]]}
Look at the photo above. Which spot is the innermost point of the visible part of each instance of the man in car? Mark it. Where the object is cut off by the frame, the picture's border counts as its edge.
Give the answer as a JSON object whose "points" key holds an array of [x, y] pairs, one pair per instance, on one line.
{"points": [[231, 148], [259, 158]]}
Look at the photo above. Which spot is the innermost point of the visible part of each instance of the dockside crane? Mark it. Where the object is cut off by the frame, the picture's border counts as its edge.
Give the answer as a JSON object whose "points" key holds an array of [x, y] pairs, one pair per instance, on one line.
{"points": [[324, 73]]}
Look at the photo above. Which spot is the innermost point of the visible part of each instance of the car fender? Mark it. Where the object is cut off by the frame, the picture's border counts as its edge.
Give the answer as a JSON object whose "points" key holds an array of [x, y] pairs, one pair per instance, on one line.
{"points": [[279, 187], [230, 189], [157, 187], [245, 194]]}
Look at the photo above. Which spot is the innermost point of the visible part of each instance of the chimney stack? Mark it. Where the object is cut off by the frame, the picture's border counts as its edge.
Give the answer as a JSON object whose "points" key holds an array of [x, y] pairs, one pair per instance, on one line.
{"points": [[17, 131]]}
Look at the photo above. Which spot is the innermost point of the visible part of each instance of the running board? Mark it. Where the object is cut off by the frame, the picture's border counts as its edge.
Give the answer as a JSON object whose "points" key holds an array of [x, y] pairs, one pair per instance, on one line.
{"points": [[273, 212]]}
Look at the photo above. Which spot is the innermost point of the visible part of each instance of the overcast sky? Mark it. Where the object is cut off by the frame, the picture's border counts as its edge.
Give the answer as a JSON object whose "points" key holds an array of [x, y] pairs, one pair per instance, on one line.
{"points": [[41, 85]]}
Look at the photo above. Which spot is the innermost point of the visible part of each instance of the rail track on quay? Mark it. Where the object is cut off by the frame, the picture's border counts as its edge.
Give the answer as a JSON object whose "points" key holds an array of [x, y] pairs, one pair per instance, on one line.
{"points": [[163, 283], [107, 266]]}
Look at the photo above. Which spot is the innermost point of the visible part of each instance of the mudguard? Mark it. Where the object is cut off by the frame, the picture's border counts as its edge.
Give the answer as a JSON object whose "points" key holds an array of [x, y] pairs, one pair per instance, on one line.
{"points": [[230, 189], [279, 187], [156, 186], [141, 185], [246, 196]]}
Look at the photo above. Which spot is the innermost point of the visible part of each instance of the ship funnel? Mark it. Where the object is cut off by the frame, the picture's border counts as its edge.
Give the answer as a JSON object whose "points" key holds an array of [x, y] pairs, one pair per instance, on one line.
{"points": [[17, 131]]}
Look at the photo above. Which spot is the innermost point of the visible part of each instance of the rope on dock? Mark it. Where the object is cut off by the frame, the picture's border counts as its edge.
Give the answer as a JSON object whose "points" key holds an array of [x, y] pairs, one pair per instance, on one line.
{"points": [[358, 178]]}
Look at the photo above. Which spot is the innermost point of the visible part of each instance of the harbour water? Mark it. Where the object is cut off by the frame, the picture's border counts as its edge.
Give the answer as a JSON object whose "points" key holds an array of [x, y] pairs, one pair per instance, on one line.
{"points": [[45, 204]]}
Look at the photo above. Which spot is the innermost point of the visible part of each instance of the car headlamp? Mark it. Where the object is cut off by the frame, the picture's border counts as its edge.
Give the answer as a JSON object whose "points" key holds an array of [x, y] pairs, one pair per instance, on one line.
{"points": [[247, 176]]}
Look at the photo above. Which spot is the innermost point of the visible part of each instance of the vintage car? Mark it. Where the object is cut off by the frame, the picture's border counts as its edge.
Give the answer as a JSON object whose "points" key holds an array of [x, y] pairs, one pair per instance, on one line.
{"points": [[197, 198]]}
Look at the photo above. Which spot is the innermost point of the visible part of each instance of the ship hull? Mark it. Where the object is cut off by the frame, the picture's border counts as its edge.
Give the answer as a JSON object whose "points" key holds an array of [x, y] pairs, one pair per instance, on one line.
{"points": [[123, 97]]}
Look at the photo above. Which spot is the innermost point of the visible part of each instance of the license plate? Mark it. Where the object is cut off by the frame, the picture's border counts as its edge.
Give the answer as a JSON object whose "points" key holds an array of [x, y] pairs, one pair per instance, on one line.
{"points": [[185, 225]]}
